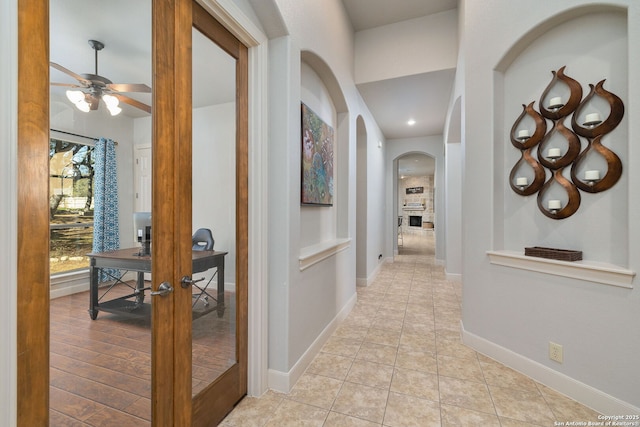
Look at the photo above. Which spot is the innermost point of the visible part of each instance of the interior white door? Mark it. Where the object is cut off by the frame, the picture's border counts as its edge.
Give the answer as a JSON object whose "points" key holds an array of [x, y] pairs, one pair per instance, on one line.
{"points": [[142, 178]]}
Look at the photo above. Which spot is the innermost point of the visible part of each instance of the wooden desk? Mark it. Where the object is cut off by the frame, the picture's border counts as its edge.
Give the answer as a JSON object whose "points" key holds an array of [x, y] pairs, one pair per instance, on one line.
{"points": [[129, 259]]}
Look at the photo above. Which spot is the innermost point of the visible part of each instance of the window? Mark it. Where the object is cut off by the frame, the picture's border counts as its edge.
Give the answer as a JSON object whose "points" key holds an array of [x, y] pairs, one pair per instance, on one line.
{"points": [[70, 205]]}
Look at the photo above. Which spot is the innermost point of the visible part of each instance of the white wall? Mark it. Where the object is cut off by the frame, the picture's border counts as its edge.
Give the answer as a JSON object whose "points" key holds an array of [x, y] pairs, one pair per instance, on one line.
{"points": [[280, 209], [213, 173], [416, 46], [361, 204], [370, 205], [376, 205], [8, 214], [142, 131], [453, 210], [453, 188], [512, 314], [304, 305], [214, 183]]}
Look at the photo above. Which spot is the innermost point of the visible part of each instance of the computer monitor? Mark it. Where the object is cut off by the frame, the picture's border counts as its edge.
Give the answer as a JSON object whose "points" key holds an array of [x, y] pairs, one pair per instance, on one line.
{"points": [[142, 230]]}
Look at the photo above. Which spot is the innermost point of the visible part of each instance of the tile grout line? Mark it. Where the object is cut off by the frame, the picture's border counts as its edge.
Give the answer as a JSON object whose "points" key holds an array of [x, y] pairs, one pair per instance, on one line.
{"points": [[435, 338]]}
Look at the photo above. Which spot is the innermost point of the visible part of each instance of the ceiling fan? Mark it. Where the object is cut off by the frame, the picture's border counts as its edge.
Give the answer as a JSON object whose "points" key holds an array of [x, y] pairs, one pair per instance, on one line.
{"points": [[93, 87]]}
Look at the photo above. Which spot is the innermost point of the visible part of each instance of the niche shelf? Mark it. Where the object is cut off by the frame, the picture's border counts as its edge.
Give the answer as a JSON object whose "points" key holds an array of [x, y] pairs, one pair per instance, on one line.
{"points": [[590, 271], [314, 254]]}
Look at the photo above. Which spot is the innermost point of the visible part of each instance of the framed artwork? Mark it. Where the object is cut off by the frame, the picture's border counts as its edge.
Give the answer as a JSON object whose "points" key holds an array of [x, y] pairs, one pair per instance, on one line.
{"points": [[317, 160]]}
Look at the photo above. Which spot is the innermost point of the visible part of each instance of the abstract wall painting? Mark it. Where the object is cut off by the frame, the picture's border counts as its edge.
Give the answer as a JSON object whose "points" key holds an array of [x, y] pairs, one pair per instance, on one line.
{"points": [[317, 160]]}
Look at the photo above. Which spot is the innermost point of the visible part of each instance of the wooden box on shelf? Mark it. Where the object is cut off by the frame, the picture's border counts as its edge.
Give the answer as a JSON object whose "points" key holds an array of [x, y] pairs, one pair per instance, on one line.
{"points": [[553, 253]]}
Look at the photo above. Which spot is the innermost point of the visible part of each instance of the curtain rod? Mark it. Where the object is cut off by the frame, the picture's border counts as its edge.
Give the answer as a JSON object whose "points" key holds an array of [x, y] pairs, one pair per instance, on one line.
{"points": [[78, 135]]}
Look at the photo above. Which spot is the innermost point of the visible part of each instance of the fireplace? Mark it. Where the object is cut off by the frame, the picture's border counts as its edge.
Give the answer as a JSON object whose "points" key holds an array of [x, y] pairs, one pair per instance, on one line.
{"points": [[415, 221]]}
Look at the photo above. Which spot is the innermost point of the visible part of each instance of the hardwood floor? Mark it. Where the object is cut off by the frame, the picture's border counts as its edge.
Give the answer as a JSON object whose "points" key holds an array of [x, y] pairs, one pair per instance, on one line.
{"points": [[101, 369]]}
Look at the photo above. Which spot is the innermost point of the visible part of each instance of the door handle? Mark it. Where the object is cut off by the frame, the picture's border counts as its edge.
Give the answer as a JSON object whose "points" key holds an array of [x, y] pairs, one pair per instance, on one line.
{"points": [[164, 289], [186, 281]]}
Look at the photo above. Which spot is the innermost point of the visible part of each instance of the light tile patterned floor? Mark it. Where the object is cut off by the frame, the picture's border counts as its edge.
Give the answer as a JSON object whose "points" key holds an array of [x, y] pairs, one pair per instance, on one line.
{"points": [[398, 361]]}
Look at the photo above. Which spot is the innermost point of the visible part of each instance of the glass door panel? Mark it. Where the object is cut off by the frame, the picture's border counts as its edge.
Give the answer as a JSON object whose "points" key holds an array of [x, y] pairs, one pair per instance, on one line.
{"points": [[100, 111], [220, 204], [214, 208]]}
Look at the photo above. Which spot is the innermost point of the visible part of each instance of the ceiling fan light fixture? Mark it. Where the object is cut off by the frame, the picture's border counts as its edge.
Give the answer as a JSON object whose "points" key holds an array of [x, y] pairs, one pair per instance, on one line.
{"points": [[115, 110], [79, 100], [110, 100], [112, 104], [75, 96], [83, 106]]}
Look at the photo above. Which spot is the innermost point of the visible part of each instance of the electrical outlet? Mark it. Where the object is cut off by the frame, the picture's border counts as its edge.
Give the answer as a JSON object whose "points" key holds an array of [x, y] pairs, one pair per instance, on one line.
{"points": [[555, 352]]}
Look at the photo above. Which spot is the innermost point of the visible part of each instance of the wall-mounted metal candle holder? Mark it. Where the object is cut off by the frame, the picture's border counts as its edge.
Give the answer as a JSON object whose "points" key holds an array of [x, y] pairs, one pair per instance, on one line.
{"points": [[525, 144], [593, 129], [556, 159]]}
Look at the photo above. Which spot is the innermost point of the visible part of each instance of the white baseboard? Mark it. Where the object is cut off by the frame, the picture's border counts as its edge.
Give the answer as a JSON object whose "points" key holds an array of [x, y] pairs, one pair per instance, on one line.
{"points": [[576, 390], [284, 381], [369, 280], [75, 282], [453, 277], [68, 290]]}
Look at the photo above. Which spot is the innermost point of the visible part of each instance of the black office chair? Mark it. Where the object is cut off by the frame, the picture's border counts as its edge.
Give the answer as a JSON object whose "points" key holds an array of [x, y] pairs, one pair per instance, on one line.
{"points": [[202, 240]]}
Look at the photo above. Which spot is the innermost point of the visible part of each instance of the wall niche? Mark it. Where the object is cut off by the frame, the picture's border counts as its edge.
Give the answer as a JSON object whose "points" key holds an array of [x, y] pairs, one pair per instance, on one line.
{"points": [[593, 47]]}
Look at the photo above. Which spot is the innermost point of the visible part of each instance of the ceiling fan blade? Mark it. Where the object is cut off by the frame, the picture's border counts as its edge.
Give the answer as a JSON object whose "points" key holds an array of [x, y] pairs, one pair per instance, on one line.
{"points": [[71, 73], [129, 87], [133, 102], [66, 85]]}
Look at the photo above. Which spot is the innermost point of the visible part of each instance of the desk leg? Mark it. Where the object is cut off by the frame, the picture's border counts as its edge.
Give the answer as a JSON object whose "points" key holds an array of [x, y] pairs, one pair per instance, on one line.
{"points": [[93, 290], [140, 289], [220, 307]]}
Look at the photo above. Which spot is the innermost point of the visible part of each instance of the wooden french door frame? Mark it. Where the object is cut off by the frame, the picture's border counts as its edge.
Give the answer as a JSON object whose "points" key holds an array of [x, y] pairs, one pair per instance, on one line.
{"points": [[171, 387], [33, 214], [218, 398], [171, 208]]}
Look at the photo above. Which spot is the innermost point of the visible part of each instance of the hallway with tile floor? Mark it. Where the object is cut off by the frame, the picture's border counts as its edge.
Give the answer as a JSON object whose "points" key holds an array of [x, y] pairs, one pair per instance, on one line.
{"points": [[398, 361]]}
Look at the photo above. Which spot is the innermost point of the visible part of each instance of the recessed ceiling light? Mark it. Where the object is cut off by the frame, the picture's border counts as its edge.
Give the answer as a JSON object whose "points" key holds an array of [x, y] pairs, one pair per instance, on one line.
{"points": [[411, 122]]}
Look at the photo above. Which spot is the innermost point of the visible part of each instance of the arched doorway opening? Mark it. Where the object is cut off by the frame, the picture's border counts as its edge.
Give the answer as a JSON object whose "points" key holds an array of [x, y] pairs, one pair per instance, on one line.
{"points": [[416, 199]]}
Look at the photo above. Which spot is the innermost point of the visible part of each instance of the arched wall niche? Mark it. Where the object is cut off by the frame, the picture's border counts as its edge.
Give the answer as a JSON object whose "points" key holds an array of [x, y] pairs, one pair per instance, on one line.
{"points": [[328, 78], [552, 22], [454, 128], [362, 201], [454, 167], [322, 93], [592, 42]]}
